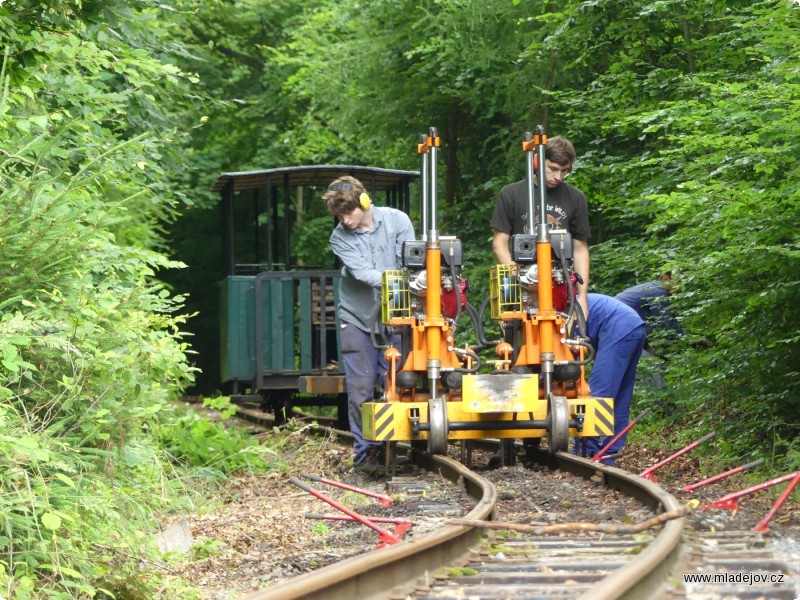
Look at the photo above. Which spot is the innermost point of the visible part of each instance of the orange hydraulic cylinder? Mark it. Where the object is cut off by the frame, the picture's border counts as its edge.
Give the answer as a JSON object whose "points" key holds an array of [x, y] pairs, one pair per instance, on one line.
{"points": [[392, 356], [433, 264], [545, 313]]}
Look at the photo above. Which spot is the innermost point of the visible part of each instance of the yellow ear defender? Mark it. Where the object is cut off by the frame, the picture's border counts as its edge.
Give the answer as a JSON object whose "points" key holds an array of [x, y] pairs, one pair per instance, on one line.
{"points": [[342, 186]]}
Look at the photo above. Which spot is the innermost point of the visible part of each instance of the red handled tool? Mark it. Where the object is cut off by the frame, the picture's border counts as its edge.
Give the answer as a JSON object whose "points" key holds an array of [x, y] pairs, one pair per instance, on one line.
{"points": [[648, 472], [729, 501], [721, 476], [599, 456], [382, 498], [386, 537], [401, 525], [763, 524]]}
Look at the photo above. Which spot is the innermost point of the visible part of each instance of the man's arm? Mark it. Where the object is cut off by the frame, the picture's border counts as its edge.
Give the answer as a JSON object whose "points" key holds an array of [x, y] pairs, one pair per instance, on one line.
{"points": [[580, 253], [500, 247], [357, 264], [405, 233]]}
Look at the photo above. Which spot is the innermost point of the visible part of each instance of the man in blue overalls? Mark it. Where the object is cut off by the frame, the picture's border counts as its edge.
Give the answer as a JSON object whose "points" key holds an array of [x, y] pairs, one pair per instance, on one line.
{"points": [[617, 334], [650, 300]]}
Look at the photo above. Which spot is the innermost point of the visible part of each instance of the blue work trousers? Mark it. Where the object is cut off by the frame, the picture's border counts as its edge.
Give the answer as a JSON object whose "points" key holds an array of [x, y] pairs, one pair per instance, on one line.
{"points": [[613, 376], [365, 368]]}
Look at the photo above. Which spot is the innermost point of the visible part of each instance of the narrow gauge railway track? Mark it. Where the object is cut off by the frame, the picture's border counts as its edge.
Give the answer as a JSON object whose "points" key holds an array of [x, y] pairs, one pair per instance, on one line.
{"points": [[457, 561], [603, 567]]}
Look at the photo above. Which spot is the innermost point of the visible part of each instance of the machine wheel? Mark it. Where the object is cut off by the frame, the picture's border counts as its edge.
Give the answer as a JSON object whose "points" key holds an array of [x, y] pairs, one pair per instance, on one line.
{"points": [[437, 420], [558, 436]]}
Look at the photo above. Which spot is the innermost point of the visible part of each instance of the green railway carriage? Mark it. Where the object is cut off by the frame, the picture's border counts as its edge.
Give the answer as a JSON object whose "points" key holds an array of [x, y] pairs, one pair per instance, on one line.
{"points": [[278, 333]]}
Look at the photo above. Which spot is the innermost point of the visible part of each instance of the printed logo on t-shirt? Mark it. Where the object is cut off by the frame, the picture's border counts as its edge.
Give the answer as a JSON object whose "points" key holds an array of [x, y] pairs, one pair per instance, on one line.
{"points": [[553, 220]]}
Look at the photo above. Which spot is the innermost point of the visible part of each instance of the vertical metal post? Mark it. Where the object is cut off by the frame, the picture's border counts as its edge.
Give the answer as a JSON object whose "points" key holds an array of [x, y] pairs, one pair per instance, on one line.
{"points": [[256, 229], [433, 142], [226, 207], [272, 219], [424, 151], [529, 148], [287, 229], [544, 260], [433, 264]]}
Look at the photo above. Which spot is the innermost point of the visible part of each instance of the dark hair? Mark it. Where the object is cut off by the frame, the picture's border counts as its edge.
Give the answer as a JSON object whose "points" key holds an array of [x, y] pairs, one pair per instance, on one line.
{"points": [[342, 196], [559, 150]]}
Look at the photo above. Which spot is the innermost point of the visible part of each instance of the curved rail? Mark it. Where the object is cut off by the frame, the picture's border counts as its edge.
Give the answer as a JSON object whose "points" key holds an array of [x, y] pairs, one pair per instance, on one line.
{"points": [[645, 575], [369, 576]]}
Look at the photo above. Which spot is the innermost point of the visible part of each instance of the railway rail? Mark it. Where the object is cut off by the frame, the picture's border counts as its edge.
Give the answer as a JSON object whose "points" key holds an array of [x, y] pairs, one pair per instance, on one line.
{"points": [[457, 557], [462, 561], [475, 561]]}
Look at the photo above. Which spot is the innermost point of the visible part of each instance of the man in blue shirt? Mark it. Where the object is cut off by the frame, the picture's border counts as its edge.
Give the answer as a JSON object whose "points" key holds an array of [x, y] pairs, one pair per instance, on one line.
{"points": [[368, 240], [617, 335]]}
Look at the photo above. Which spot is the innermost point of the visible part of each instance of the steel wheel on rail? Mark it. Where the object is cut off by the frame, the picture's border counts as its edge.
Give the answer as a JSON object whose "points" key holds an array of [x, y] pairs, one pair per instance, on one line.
{"points": [[558, 436], [437, 421]]}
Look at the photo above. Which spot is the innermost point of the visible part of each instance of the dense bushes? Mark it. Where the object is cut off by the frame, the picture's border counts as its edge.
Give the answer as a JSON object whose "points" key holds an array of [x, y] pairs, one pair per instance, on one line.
{"points": [[685, 116], [90, 342]]}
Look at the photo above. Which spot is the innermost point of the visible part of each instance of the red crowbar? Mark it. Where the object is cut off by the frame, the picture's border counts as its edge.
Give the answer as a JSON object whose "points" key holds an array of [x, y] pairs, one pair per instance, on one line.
{"points": [[763, 524], [648, 472], [721, 476], [729, 501], [382, 498], [401, 525], [386, 537], [597, 457]]}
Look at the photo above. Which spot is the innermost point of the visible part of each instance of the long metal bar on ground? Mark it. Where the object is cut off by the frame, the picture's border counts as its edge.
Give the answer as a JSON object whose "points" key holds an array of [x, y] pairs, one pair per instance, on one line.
{"points": [[372, 576]]}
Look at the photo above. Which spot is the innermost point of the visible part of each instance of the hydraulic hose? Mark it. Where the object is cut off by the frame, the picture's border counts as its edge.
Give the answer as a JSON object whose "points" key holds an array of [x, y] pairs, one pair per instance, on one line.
{"points": [[473, 355], [589, 352], [473, 314], [373, 322], [570, 290], [477, 317], [575, 307]]}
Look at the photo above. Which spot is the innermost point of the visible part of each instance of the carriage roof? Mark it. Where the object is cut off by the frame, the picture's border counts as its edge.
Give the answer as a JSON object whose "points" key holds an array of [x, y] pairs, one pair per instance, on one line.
{"points": [[373, 178]]}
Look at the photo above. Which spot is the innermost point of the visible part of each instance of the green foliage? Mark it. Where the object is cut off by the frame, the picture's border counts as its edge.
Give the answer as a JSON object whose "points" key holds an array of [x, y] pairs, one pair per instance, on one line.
{"points": [[321, 529], [709, 189], [193, 440], [207, 548], [91, 345]]}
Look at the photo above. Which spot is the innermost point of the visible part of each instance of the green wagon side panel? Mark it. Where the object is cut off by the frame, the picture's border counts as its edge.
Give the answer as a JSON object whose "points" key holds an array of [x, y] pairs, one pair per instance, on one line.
{"points": [[238, 351], [298, 329], [289, 328], [273, 325], [304, 325]]}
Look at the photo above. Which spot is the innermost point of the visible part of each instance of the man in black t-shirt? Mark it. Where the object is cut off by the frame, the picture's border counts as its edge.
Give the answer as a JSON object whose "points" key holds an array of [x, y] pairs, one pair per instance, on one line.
{"points": [[566, 209]]}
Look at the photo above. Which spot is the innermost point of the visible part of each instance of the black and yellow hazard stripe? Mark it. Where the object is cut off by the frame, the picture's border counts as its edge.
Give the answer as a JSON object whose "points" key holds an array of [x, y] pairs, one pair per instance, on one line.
{"points": [[384, 423], [604, 416]]}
